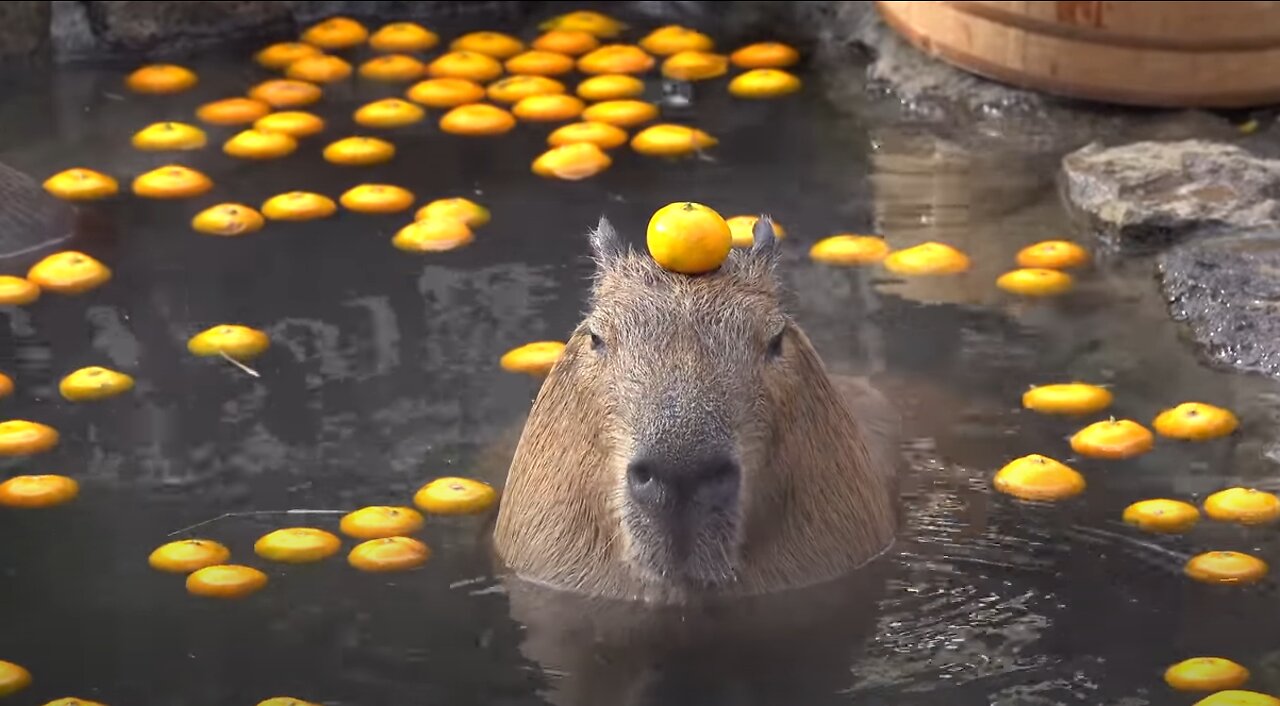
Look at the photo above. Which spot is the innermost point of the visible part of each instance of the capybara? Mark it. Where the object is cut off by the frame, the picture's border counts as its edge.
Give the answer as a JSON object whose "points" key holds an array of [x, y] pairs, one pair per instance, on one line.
{"points": [[690, 443]]}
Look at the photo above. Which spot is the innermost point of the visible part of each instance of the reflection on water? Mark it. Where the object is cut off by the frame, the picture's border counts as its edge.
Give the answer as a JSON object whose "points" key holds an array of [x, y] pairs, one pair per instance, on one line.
{"points": [[383, 374]]}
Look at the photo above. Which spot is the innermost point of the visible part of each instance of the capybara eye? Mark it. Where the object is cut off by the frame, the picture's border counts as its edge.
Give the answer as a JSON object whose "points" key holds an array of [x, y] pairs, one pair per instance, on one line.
{"points": [[597, 343], [775, 344]]}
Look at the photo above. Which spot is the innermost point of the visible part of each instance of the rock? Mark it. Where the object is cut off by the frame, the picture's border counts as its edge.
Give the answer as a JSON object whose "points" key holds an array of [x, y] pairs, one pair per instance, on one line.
{"points": [[30, 218], [69, 30], [102, 28], [24, 28], [1227, 291], [307, 11], [1149, 194], [130, 25], [924, 84]]}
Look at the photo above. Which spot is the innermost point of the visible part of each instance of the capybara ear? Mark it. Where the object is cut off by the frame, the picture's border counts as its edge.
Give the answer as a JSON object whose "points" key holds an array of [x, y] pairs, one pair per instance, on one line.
{"points": [[764, 241], [605, 244]]}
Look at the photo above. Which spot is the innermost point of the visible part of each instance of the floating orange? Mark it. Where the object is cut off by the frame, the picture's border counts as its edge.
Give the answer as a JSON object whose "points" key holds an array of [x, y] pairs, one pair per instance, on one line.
{"points": [[695, 66], [1232, 697], [457, 208], [298, 206], [514, 89], [393, 68], [279, 55], [13, 678], [552, 108], [297, 545], [742, 230], [286, 93], [69, 272], [359, 151], [571, 42], [161, 79], [455, 496], [81, 185], [669, 140], [17, 291], [847, 249], [319, 69], [172, 181], [1226, 567], [594, 23], [1037, 477], [539, 63], [535, 358], [1113, 439], [1247, 506], [94, 383], [232, 111], [494, 44], [673, 39], [602, 135], [389, 113], [445, 92], [1195, 421], [377, 522], [19, 437], [1035, 282], [295, 123], [764, 83], [6, 384], [285, 701], [615, 59], [465, 64], [1067, 398], [688, 238], [187, 555], [336, 33], [432, 235], [159, 137], [257, 144], [376, 198], [228, 219], [403, 37], [927, 259], [572, 162], [1162, 515], [232, 340], [765, 55], [477, 120], [1053, 254], [38, 491], [389, 554], [226, 581], [609, 87], [621, 113], [1206, 674]]}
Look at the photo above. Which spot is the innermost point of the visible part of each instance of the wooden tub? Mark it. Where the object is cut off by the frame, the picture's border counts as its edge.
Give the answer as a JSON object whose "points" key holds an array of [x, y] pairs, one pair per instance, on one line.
{"points": [[1165, 54]]}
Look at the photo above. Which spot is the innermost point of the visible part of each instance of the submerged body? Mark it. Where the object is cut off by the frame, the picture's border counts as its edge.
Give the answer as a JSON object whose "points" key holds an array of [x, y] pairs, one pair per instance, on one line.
{"points": [[690, 443]]}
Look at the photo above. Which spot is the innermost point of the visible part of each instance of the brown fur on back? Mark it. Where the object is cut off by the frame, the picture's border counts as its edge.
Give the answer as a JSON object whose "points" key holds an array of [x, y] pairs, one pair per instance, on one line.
{"points": [[819, 504]]}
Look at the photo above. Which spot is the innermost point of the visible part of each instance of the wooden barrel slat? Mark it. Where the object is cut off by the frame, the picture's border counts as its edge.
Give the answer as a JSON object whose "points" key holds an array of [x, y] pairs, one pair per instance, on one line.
{"points": [[1105, 52], [1189, 24]]}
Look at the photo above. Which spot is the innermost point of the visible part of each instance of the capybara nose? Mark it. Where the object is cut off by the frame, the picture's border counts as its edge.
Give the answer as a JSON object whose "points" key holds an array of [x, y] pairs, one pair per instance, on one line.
{"points": [[708, 481]]}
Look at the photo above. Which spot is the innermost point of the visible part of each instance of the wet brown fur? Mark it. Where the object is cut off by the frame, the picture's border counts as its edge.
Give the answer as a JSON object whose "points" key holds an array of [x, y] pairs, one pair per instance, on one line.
{"points": [[817, 497]]}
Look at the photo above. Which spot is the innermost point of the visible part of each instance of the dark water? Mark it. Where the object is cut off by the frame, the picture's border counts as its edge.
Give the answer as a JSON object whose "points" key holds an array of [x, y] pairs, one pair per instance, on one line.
{"points": [[383, 374]]}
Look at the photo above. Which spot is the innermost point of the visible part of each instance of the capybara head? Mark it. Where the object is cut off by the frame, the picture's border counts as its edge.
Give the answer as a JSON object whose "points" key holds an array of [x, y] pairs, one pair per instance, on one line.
{"points": [[689, 441]]}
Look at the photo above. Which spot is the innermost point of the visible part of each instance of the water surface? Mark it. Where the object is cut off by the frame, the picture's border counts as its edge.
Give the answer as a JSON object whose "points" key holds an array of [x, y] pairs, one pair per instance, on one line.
{"points": [[383, 374]]}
